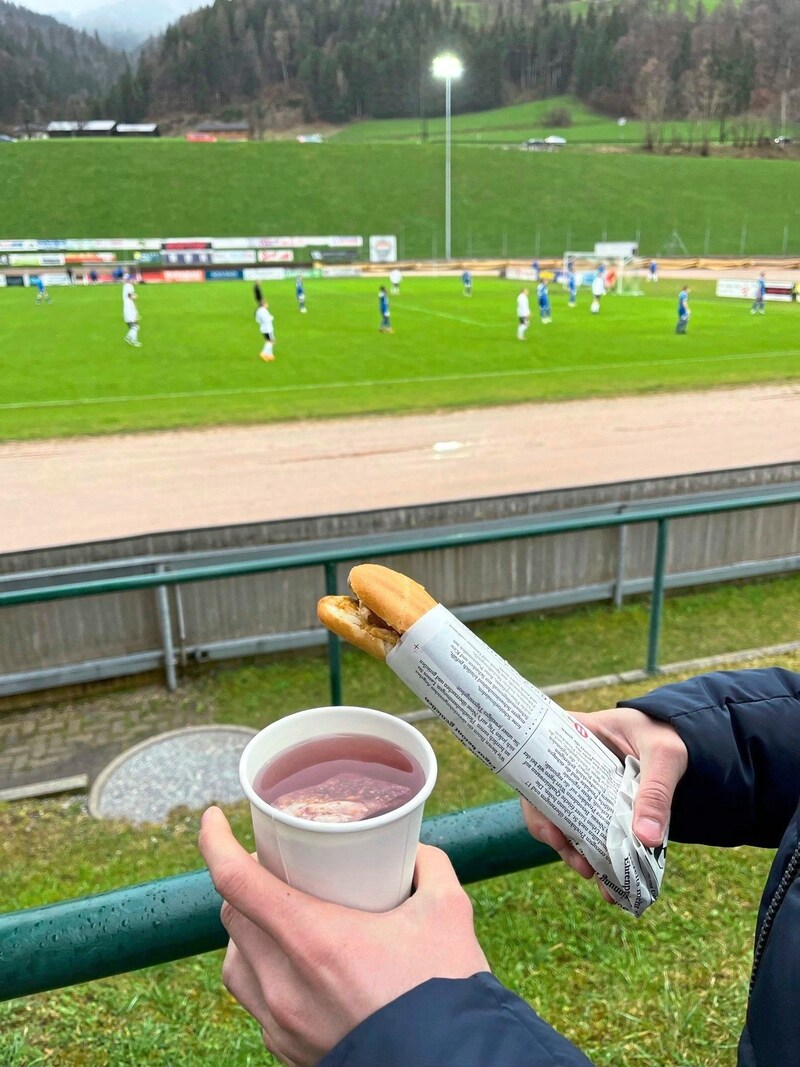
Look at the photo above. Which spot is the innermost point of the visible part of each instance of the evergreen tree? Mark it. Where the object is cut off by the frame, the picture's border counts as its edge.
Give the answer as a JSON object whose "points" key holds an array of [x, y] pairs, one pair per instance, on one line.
{"points": [[359, 58]]}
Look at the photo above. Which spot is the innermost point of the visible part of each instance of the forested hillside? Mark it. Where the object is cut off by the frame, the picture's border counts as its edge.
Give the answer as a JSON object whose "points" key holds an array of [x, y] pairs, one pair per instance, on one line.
{"points": [[48, 70], [336, 60], [344, 59]]}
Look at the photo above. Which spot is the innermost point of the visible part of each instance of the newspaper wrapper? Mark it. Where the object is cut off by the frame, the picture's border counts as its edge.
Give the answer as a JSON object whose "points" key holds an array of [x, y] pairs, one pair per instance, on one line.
{"points": [[535, 746]]}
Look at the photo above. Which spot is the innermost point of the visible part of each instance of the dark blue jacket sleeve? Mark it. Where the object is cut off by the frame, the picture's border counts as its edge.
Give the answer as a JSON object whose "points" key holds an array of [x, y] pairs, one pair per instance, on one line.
{"points": [[445, 1022], [742, 732]]}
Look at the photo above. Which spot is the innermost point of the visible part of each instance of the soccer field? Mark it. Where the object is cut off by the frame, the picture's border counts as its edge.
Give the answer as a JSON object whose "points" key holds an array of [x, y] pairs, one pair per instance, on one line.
{"points": [[65, 369]]}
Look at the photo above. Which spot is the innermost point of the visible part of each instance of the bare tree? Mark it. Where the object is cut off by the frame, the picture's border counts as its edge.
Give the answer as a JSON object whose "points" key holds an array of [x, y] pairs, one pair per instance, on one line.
{"points": [[703, 94], [652, 93]]}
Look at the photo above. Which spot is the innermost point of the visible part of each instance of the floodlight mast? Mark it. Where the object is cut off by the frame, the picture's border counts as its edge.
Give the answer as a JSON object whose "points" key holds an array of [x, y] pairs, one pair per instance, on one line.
{"points": [[447, 66]]}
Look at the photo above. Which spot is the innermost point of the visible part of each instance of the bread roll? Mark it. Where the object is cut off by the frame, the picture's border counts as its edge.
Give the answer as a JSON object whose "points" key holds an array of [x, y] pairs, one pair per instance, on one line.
{"points": [[388, 604]]}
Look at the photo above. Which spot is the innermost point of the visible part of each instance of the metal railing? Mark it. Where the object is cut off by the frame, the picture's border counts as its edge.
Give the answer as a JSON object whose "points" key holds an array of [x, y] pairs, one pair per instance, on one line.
{"points": [[80, 940], [409, 543], [158, 922]]}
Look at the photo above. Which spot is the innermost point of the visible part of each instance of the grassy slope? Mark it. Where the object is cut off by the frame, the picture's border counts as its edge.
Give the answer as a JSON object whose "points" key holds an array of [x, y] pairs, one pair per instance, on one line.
{"points": [[501, 199], [199, 362], [508, 125], [668, 989]]}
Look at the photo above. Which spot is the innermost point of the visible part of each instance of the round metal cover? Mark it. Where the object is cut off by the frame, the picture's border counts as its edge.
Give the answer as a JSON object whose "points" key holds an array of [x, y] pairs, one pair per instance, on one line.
{"points": [[192, 768]]}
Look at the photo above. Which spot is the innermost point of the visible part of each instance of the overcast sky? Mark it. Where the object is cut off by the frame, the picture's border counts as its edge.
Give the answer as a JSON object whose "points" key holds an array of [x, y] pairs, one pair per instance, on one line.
{"points": [[55, 7], [73, 8]]}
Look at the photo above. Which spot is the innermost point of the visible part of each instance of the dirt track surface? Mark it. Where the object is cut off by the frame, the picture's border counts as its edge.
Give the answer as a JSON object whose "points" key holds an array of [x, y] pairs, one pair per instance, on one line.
{"points": [[87, 489]]}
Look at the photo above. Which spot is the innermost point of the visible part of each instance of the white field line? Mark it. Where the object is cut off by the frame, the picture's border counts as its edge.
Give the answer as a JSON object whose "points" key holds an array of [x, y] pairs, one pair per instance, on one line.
{"points": [[371, 383], [444, 315]]}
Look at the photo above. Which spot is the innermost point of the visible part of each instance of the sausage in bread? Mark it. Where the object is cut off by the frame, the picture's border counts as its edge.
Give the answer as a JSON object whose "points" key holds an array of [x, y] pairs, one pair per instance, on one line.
{"points": [[388, 604]]}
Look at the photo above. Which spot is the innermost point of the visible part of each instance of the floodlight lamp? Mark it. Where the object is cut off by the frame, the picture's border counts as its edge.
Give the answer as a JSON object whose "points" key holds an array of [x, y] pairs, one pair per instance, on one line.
{"points": [[447, 66]]}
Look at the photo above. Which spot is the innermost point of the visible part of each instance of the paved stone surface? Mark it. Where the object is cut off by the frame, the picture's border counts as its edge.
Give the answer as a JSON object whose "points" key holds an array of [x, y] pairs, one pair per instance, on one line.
{"points": [[191, 768], [82, 738], [86, 489]]}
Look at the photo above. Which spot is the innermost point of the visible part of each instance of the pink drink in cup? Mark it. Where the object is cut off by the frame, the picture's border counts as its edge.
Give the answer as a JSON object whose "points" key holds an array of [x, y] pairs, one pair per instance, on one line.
{"points": [[337, 796]]}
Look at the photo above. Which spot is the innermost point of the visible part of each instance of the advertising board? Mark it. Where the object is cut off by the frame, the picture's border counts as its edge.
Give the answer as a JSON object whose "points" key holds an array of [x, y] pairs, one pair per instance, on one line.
{"points": [[383, 248], [224, 275], [521, 274], [184, 275], [178, 244], [622, 249], [242, 255], [188, 259], [334, 255], [91, 257], [264, 274], [275, 255], [55, 259], [329, 241], [781, 291], [19, 245], [342, 272], [745, 289]]}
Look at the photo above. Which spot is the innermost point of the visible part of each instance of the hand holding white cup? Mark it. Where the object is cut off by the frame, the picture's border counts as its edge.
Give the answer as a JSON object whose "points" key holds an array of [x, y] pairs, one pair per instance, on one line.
{"points": [[348, 835]]}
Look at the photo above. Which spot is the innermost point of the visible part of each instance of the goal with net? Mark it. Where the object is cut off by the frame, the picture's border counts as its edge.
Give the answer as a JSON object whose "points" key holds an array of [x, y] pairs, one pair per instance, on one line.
{"points": [[624, 269]]}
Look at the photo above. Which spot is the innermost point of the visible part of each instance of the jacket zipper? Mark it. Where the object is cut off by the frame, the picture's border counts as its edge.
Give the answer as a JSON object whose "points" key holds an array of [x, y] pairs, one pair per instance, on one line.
{"points": [[769, 917]]}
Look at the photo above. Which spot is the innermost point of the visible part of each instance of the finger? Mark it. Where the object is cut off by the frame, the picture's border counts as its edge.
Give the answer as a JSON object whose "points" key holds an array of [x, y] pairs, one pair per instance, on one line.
{"points": [[257, 947], [262, 980], [662, 765], [434, 871], [230, 866], [604, 893], [240, 980], [253, 891], [540, 827], [277, 909]]}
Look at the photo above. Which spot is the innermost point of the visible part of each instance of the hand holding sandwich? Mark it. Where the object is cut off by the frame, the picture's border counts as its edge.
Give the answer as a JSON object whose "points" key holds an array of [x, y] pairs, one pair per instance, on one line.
{"points": [[663, 758]]}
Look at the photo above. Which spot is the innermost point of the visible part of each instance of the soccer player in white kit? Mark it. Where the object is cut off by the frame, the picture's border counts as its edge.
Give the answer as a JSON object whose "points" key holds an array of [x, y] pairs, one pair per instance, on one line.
{"points": [[598, 288], [266, 324], [523, 314], [395, 277], [130, 312]]}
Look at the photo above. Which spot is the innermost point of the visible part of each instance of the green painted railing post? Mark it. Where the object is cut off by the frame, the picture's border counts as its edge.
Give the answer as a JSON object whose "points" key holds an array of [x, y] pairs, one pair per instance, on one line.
{"points": [[334, 644], [657, 598]]}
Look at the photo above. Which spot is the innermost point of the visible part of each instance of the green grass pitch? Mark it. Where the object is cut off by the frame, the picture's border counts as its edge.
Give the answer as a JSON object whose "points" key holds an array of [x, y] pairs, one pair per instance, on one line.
{"points": [[65, 369]]}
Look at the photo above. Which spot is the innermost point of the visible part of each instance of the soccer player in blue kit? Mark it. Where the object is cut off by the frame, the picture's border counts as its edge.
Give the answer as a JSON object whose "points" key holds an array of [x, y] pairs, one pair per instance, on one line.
{"points": [[42, 295], [466, 281], [543, 297], [300, 293], [683, 310], [383, 304], [761, 292], [572, 285]]}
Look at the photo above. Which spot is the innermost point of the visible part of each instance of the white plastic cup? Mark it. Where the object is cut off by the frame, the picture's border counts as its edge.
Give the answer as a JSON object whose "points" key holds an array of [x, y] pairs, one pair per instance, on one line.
{"points": [[368, 864]]}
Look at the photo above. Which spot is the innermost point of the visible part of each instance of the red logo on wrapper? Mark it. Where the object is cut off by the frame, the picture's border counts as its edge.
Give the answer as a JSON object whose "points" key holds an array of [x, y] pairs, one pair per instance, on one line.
{"points": [[580, 729]]}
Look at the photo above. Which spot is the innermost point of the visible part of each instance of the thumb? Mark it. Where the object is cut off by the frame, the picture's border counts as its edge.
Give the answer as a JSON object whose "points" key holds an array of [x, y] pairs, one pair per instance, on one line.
{"points": [[661, 770]]}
